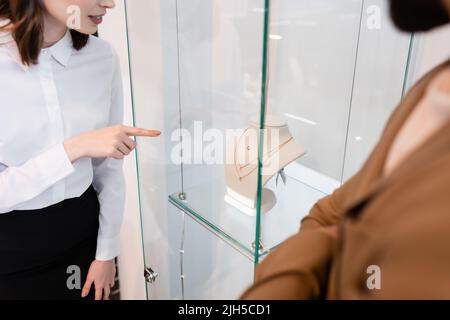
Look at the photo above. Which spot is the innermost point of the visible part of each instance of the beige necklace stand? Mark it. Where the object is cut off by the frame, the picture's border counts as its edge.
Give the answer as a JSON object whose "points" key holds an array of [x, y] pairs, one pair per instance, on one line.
{"points": [[241, 165]]}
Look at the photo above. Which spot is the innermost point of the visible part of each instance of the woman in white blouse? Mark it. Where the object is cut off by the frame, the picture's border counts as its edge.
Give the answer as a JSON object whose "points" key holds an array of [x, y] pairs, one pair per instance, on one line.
{"points": [[62, 145]]}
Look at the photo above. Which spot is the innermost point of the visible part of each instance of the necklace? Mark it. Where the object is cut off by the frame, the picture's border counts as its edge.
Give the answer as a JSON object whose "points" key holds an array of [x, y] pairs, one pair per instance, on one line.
{"points": [[269, 154]]}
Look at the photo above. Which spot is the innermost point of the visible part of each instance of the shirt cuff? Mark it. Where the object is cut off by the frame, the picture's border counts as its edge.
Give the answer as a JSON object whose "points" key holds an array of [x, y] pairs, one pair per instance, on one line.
{"points": [[107, 248], [54, 164]]}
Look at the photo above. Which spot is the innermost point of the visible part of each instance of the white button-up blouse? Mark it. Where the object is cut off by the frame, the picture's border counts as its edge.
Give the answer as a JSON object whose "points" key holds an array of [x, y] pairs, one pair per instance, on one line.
{"points": [[67, 93]]}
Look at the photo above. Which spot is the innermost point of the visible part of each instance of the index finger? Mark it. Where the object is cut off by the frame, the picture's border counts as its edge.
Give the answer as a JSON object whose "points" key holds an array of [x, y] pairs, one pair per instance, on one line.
{"points": [[131, 131]]}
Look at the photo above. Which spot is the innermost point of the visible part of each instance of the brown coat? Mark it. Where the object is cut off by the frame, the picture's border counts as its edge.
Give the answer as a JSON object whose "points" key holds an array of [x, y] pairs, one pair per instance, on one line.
{"points": [[400, 223]]}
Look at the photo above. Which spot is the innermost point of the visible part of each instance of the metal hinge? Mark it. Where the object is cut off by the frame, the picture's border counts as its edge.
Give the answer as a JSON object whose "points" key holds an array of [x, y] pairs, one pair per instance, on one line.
{"points": [[150, 275]]}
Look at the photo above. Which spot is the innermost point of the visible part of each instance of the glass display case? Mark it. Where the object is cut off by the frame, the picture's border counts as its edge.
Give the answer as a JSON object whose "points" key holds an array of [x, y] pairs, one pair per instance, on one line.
{"points": [[266, 106]]}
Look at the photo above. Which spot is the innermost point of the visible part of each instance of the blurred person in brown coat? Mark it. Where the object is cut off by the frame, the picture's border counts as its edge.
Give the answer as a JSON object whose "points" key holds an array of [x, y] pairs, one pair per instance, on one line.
{"points": [[385, 233]]}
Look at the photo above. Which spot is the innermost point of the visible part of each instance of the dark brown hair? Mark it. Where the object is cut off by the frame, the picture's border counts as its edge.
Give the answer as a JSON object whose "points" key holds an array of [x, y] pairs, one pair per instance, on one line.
{"points": [[27, 19], [418, 15]]}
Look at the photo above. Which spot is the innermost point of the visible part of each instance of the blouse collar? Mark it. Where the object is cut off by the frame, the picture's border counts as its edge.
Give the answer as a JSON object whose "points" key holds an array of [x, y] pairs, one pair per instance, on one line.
{"points": [[61, 50]]}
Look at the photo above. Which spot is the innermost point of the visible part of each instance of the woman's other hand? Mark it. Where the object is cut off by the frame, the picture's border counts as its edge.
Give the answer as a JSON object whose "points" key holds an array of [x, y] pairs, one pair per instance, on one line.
{"points": [[102, 275]]}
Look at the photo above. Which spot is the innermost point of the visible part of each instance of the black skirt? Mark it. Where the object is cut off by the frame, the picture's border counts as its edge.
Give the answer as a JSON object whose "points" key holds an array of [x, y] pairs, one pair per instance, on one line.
{"points": [[46, 253]]}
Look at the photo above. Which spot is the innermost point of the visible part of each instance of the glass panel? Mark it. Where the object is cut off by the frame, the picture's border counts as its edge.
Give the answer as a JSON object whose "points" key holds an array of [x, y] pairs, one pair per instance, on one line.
{"points": [[312, 52], [380, 77], [212, 269], [153, 90], [220, 47], [337, 70]]}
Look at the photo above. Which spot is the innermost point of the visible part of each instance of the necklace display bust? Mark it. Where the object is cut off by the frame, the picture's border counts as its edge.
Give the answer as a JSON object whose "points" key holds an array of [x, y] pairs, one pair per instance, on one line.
{"points": [[241, 165]]}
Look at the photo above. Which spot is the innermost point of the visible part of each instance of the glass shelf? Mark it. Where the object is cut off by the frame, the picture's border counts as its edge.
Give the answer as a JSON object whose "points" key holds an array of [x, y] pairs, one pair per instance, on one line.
{"points": [[204, 201]]}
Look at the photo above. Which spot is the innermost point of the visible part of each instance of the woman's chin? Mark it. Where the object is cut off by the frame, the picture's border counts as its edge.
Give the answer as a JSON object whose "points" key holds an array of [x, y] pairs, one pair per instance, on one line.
{"points": [[88, 30]]}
